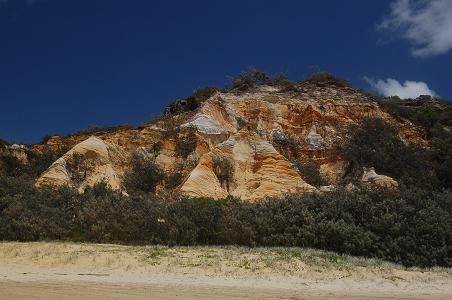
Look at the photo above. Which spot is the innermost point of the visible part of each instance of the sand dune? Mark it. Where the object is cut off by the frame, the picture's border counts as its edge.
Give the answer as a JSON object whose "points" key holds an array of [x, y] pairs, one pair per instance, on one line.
{"points": [[87, 271]]}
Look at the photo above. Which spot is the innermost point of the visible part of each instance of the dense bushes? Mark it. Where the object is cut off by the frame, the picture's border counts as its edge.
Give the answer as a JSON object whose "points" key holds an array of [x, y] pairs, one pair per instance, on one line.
{"points": [[101, 129], [3, 143], [424, 112], [375, 143], [30, 214], [192, 102], [435, 116], [410, 226], [173, 180], [78, 167], [186, 144], [224, 170], [401, 227], [247, 81], [310, 173], [326, 79], [143, 176], [11, 166], [280, 139], [199, 96]]}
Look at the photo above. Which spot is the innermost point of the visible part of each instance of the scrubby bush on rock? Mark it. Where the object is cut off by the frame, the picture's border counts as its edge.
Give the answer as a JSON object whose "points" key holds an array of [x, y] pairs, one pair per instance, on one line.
{"points": [[435, 117], [224, 170], [309, 172], [375, 143], [247, 81], [192, 102], [143, 176], [325, 79], [36, 163], [186, 144], [173, 180], [101, 129], [3, 143]]}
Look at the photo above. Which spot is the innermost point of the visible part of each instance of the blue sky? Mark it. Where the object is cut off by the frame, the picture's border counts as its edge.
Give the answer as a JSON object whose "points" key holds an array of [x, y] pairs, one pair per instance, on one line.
{"points": [[67, 65]]}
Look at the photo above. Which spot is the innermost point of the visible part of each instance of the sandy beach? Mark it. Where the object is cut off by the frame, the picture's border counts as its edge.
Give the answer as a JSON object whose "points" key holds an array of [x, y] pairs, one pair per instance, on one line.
{"points": [[90, 271]]}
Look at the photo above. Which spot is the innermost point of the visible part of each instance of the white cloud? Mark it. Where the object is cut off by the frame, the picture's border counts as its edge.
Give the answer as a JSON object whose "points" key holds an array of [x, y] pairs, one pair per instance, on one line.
{"points": [[426, 24], [409, 89]]}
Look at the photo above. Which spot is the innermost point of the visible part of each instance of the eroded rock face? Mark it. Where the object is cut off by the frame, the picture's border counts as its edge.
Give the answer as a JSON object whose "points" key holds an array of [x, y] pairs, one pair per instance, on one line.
{"points": [[314, 139], [15, 152], [259, 171], [86, 164], [19, 152], [260, 133]]}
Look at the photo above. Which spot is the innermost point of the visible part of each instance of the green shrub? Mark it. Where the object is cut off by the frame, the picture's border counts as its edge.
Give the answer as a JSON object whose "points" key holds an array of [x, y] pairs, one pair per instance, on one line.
{"points": [[224, 170], [77, 167], [11, 166], [173, 180], [186, 144], [424, 113], [143, 176], [3, 143], [442, 155], [45, 139], [192, 102], [283, 82], [325, 78], [29, 214], [435, 116], [101, 129], [247, 81], [157, 147], [199, 96], [36, 165], [375, 143], [240, 123], [39, 162], [310, 173], [171, 129], [395, 225], [373, 223], [281, 139], [287, 146], [196, 221]]}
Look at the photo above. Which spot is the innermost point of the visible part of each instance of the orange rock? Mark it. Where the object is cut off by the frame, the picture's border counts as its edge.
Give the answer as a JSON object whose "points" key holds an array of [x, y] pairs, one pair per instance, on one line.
{"points": [[259, 171], [87, 163], [241, 128]]}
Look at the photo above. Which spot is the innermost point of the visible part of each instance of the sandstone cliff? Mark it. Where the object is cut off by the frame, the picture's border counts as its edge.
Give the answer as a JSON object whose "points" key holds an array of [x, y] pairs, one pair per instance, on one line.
{"points": [[258, 170], [260, 133], [87, 163]]}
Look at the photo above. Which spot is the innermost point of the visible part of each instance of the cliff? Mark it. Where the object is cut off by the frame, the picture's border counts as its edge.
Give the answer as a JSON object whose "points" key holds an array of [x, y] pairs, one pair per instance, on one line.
{"points": [[257, 135]]}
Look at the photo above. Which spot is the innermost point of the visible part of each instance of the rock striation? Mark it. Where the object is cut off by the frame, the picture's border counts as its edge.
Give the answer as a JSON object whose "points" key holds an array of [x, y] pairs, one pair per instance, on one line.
{"points": [[87, 163], [258, 171], [260, 134]]}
